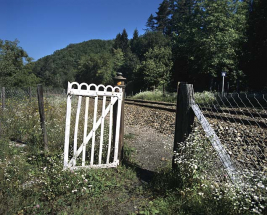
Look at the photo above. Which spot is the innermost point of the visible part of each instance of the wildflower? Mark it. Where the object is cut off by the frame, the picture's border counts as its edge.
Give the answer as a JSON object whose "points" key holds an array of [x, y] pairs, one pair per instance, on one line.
{"points": [[201, 194], [260, 185], [85, 180], [74, 191], [37, 206]]}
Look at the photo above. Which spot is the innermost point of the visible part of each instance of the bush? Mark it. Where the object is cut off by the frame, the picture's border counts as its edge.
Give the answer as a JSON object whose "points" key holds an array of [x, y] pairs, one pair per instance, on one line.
{"points": [[156, 96], [204, 97]]}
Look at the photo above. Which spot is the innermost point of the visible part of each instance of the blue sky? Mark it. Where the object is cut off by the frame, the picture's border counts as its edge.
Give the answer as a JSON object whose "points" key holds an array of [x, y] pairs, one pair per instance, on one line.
{"points": [[43, 26]]}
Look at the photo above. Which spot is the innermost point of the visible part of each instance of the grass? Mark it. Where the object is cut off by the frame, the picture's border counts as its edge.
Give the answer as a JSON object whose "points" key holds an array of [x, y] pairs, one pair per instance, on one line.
{"points": [[34, 183]]}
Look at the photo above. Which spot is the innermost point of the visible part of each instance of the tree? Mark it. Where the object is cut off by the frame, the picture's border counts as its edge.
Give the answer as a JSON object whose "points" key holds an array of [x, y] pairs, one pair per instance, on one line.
{"points": [[148, 41], [134, 41], [15, 67], [150, 24], [162, 18], [208, 39], [122, 41], [254, 61], [156, 66]]}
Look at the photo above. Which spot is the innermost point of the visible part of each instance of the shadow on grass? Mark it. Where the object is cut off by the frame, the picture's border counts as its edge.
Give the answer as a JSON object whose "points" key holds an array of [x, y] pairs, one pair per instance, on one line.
{"points": [[143, 174]]}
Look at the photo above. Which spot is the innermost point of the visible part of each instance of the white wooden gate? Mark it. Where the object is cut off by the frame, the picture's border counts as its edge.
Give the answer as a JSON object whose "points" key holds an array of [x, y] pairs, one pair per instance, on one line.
{"points": [[98, 94]]}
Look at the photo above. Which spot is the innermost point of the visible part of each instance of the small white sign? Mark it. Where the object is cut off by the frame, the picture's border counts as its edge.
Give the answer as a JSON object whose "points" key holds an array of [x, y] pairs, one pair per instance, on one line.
{"points": [[223, 74]]}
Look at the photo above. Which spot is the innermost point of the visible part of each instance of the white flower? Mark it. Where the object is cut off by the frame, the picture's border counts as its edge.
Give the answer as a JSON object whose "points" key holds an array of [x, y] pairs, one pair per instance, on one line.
{"points": [[260, 185], [201, 194], [74, 191]]}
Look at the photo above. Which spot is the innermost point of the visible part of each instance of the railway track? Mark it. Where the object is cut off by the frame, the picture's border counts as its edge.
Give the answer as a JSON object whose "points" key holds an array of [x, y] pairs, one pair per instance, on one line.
{"points": [[236, 115], [171, 107]]}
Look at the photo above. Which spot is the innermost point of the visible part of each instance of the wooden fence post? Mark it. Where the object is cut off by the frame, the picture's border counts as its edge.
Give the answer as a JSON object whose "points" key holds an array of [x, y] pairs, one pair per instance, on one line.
{"points": [[42, 115], [120, 82], [3, 98], [184, 116], [30, 94]]}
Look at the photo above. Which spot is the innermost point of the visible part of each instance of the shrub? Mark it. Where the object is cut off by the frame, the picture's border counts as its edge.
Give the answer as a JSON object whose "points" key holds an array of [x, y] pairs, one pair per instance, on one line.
{"points": [[155, 96]]}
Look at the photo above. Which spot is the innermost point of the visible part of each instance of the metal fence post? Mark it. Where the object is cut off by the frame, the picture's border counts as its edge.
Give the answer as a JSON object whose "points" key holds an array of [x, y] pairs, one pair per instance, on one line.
{"points": [[42, 115], [184, 116], [120, 82]]}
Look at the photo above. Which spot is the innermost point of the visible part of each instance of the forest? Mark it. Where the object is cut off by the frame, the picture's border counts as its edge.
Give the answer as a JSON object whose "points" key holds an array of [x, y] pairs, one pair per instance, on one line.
{"points": [[192, 41]]}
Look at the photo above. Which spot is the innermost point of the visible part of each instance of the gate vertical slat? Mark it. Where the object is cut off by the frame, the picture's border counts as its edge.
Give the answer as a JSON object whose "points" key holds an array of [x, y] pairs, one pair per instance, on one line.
{"points": [[102, 130], [117, 130], [85, 129], [110, 130], [67, 131], [76, 127], [94, 130]]}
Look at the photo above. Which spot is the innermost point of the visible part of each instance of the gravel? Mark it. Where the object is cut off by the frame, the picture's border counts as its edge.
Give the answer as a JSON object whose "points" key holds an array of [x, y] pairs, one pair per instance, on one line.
{"points": [[153, 132]]}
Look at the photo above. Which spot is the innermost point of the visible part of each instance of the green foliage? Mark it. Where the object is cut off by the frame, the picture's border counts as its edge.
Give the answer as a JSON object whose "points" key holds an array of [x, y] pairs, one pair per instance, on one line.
{"points": [[157, 95], [96, 68], [209, 37], [151, 23], [63, 65], [254, 58], [162, 17], [204, 97], [15, 65], [156, 66]]}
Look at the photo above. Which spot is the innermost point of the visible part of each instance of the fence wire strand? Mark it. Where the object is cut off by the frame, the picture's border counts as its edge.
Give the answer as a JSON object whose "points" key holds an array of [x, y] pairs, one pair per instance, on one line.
{"points": [[240, 122]]}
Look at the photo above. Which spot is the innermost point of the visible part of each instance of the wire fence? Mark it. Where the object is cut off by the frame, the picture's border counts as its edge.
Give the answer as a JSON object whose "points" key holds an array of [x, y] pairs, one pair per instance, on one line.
{"points": [[239, 123], [20, 119]]}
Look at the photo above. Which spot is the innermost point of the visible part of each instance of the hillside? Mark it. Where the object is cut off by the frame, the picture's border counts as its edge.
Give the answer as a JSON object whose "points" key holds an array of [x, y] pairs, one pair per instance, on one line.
{"points": [[62, 66]]}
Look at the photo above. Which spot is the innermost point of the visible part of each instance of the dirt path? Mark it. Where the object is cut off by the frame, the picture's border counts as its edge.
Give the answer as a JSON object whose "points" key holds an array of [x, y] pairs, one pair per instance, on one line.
{"points": [[152, 147]]}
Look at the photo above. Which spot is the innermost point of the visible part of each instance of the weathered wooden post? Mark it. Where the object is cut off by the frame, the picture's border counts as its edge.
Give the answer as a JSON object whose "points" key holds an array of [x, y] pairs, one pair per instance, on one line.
{"points": [[42, 114], [120, 82], [3, 98], [184, 116], [30, 94]]}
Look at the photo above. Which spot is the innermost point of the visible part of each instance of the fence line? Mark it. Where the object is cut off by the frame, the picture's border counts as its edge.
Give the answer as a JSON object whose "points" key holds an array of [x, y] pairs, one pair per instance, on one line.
{"points": [[19, 113], [236, 127]]}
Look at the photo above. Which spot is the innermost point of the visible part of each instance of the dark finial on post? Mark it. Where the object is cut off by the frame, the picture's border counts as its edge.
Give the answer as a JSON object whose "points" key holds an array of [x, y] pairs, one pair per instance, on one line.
{"points": [[119, 80]]}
